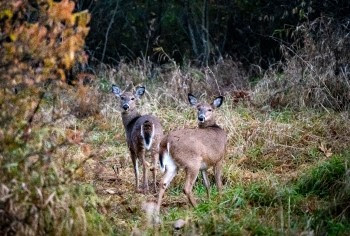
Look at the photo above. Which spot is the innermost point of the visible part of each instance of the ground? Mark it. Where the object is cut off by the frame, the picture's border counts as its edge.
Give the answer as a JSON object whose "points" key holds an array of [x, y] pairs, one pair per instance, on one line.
{"points": [[281, 171]]}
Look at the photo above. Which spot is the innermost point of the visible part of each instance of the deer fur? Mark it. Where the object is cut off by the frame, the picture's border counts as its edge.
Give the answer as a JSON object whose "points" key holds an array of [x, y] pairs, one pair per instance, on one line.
{"points": [[194, 150], [143, 134]]}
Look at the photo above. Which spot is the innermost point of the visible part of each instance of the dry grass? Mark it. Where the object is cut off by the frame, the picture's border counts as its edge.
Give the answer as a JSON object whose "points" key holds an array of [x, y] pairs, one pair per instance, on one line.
{"points": [[267, 153], [315, 74]]}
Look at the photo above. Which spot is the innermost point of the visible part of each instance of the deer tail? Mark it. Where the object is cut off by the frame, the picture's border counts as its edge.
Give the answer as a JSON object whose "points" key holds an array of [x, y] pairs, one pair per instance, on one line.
{"points": [[147, 133]]}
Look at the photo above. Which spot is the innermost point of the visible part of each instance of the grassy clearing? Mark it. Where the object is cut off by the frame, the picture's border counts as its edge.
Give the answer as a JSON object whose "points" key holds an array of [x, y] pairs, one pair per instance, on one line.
{"points": [[285, 172]]}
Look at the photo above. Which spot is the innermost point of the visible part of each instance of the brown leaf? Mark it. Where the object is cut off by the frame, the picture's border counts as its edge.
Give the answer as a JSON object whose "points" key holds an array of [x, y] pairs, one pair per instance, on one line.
{"points": [[326, 151], [73, 136], [86, 149], [241, 160]]}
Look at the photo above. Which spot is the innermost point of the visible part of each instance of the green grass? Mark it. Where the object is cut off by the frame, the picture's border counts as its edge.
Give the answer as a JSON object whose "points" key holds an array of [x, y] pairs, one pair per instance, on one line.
{"points": [[326, 178], [285, 116], [238, 210]]}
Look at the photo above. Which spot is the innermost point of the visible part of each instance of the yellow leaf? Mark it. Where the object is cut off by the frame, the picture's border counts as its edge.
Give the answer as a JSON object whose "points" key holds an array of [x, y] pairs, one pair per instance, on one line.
{"points": [[82, 18], [6, 13], [13, 37]]}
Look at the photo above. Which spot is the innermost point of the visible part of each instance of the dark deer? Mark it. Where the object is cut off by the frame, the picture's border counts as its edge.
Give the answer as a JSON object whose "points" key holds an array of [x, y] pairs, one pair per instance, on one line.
{"points": [[143, 133]]}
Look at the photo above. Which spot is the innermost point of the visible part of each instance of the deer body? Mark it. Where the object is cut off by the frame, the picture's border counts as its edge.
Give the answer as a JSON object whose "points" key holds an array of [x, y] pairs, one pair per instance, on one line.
{"points": [[143, 133], [203, 146], [194, 150]]}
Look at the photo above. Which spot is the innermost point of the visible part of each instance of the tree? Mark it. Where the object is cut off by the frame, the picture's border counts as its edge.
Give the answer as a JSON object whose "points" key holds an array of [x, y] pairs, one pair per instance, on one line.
{"points": [[40, 40]]}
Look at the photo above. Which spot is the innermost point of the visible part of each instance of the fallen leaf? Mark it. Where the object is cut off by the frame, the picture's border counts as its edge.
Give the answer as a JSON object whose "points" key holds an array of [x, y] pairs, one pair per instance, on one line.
{"points": [[111, 191], [241, 160], [326, 151]]}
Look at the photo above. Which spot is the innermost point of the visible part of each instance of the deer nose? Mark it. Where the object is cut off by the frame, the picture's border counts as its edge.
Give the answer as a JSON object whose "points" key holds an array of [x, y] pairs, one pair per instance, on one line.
{"points": [[201, 118], [125, 107]]}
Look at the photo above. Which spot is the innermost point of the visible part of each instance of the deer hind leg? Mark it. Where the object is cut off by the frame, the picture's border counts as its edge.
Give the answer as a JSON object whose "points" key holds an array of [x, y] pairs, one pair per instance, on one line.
{"points": [[218, 172], [155, 155], [170, 173], [136, 171], [144, 170], [206, 182], [191, 176]]}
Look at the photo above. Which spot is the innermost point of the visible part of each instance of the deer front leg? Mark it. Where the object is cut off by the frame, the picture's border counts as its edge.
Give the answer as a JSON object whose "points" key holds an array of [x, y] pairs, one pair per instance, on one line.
{"points": [[218, 172], [206, 182], [191, 176]]}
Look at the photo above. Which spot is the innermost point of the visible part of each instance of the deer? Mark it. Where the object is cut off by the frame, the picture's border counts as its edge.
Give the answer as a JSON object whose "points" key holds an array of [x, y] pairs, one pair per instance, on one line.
{"points": [[194, 150], [143, 134]]}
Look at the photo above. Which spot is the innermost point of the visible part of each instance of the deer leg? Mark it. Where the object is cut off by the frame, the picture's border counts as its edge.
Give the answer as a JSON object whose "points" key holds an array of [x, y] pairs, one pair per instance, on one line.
{"points": [[218, 172], [206, 182], [154, 169], [191, 176], [136, 171], [165, 182], [144, 170]]}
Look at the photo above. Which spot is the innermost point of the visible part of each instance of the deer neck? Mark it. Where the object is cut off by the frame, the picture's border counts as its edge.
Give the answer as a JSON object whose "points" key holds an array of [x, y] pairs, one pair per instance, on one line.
{"points": [[207, 124], [129, 118]]}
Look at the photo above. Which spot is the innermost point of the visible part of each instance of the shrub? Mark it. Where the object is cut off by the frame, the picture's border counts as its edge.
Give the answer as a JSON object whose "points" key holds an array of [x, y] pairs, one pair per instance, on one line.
{"points": [[315, 72], [39, 41]]}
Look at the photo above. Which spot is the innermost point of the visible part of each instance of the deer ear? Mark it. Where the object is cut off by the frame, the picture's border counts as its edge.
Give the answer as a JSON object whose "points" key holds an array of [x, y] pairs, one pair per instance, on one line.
{"points": [[218, 101], [140, 91], [116, 90], [192, 100]]}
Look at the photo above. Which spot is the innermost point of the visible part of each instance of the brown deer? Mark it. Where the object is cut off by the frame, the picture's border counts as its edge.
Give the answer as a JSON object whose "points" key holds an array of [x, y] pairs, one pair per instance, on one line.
{"points": [[143, 133], [194, 150]]}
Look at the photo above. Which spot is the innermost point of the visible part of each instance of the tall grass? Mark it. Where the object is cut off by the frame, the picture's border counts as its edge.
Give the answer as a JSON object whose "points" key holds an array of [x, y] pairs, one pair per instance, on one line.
{"points": [[315, 72]]}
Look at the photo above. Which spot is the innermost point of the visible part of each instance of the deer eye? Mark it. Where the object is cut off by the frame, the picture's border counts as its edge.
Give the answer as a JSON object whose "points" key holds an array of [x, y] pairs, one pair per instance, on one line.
{"points": [[122, 98], [210, 110], [132, 98]]}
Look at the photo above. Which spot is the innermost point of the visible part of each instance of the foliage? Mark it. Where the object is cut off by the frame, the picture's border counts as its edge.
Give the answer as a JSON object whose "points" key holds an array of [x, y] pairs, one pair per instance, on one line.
{"points": [[315, 72], [39, 42]]}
